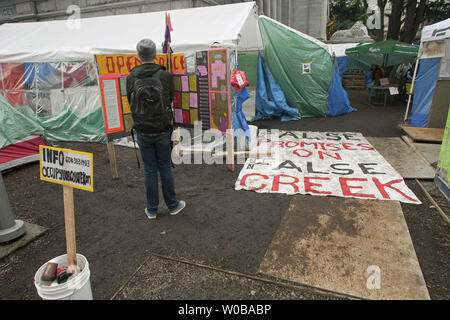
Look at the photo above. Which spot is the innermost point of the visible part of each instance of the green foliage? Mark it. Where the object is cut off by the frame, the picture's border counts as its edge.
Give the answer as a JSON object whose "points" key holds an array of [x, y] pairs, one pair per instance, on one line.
{"points": [[344, 14], [436, 11]]}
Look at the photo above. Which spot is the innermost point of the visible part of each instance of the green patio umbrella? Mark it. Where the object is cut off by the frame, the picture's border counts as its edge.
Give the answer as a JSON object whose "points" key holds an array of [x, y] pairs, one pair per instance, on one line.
{"points": [[383, 53]]}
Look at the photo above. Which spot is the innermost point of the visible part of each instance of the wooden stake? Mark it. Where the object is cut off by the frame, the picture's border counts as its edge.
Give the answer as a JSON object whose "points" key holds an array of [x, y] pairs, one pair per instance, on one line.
{"points": [[112, 160], [69, 219], [230, 150]]}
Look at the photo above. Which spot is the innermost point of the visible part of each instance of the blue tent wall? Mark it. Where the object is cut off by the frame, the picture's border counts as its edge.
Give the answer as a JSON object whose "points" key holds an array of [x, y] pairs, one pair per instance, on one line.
{"points": [[338, 101], [425, 85], [270, 100]]}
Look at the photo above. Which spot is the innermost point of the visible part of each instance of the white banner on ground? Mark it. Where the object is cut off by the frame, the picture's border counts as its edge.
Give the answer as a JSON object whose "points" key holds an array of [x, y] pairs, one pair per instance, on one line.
{"points": [[342, 164]]}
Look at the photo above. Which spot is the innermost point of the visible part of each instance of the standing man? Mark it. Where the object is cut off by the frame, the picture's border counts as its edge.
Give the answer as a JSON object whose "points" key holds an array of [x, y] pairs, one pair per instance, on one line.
{"points": [[150, 93]]}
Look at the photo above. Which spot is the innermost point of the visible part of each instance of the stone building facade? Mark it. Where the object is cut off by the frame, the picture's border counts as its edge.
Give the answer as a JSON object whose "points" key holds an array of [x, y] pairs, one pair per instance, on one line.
{"points": [[307, 16]]}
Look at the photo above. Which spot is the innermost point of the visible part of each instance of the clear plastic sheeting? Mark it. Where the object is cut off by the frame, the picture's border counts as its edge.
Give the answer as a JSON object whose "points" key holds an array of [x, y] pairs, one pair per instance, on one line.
{"points": [[60, 97], [15, 126]]}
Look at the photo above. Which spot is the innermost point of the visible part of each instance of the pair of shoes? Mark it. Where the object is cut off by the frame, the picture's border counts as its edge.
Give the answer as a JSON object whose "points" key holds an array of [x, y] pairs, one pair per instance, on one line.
{"points": [[150, 215], [181, 205]]}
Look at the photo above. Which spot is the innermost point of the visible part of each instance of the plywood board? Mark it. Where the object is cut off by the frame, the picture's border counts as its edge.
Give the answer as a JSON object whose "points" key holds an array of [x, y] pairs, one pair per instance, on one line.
{"points": [[402, 157], [429, 150], [424, 134], [440, 106], [343, 245]]}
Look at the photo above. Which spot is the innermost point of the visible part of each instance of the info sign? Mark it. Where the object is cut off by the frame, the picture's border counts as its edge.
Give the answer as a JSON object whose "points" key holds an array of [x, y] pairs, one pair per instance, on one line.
{"points": [[67, 167]]}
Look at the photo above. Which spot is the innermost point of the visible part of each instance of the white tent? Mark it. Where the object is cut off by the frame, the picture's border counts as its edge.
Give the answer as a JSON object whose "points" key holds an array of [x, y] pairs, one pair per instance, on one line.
{"points": [[434, 42], [193, 29], [47, 68]]}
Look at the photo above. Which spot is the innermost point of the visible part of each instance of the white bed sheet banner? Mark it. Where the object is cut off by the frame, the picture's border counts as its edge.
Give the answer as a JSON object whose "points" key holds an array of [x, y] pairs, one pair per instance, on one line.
{"points": [[342, 164]]}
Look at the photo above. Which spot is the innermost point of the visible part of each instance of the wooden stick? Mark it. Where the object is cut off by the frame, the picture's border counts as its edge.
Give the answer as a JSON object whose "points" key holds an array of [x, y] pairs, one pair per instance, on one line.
{"points": [[230, 150], [69, 219], [436, 206], [112, 160], [410, 143], [248, 154]]}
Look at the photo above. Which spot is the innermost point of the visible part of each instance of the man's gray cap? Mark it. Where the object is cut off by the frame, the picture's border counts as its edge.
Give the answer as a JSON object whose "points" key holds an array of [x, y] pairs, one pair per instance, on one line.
{"points": [[146, 50]]}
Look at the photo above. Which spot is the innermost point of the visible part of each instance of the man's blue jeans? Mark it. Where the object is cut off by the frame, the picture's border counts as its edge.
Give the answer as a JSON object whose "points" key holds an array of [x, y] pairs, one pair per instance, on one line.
{"points": [[156, 153]]}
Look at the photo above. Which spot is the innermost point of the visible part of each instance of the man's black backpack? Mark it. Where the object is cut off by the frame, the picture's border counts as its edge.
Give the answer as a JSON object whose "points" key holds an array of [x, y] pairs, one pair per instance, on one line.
{"points": [[149, 110]]}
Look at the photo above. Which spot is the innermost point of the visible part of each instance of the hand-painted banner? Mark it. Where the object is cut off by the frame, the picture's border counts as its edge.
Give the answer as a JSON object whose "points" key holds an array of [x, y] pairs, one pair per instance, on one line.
{"points": [[322, 163], [114, 64]]}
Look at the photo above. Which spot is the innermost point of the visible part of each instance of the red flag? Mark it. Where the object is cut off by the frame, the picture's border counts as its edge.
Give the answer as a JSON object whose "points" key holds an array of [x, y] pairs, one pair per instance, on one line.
{"points": [[168, 22]]}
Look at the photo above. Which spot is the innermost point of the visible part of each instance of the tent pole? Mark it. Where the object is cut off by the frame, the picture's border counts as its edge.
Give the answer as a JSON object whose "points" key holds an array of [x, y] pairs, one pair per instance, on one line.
{"points": [[3, 80], [36, 88], [412, 88]]}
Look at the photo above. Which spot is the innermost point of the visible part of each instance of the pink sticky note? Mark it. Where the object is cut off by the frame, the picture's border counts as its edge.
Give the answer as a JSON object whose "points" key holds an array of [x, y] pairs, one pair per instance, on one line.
{"points": [[193, 100], [178, 114], [184, 83]]}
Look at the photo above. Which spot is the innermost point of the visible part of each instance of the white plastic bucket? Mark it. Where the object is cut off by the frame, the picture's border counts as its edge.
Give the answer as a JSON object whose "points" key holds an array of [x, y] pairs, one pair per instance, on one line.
{"points": [[76, 288]]}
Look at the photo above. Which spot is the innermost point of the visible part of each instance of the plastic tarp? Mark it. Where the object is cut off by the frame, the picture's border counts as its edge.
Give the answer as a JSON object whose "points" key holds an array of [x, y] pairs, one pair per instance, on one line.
{"points": [[338, 101], [62, 98], [14, 125], [425, 85], [193, 29], [270, 101], [239, 120]]}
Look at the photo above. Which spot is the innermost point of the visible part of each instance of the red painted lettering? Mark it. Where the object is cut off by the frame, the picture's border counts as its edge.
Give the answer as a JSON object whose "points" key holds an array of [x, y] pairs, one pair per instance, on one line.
{"points": [[110, 66], [365, 146], [302, 144], [287, 144], [276, 182], [120, 63], [309, 185], [244, 180], [336, 156], [263, 140], [333, 147], [382, 186], [306, 154], [347, 146], [277, 143], [346, 188]]}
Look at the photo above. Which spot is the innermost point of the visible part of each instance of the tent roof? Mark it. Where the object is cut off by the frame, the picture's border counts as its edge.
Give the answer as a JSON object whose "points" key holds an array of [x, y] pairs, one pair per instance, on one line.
{"points": [[193, 29], [437, 31]]}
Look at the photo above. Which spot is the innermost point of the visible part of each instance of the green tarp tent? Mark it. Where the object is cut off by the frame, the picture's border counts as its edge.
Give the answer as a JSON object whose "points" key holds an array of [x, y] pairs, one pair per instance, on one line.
{"points": [[302, 65]]}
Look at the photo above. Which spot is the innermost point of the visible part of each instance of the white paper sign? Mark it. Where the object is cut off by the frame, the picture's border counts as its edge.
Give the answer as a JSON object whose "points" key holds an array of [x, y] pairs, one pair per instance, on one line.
{"points": [[111, 104], [324, 164], [393, 90], [306, 68]]}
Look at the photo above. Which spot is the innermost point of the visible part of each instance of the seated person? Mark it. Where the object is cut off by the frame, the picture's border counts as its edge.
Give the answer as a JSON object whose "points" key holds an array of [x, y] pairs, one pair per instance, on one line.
{"points": [[377, 74]]}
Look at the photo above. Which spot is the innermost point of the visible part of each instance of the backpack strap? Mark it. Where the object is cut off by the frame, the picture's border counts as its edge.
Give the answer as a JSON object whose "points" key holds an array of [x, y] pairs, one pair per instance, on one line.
{"points": [[135, 151]]}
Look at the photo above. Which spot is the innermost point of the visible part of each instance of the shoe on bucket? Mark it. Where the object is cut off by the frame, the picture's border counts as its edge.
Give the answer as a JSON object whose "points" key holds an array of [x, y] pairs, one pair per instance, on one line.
{"points": [[181, 205], [150, 215]]}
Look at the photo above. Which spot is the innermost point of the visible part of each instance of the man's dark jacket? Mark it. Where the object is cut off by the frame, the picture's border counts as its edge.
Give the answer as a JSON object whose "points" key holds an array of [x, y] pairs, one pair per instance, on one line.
{"points": [[146, 70]]}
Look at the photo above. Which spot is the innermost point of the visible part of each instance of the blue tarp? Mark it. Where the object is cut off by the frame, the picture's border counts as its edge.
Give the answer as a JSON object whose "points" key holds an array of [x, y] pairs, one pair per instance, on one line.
{"points": [[338, 101], [270, 100], [425, 85], [239, 121]]}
